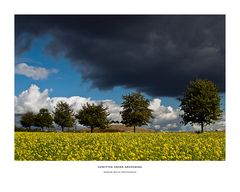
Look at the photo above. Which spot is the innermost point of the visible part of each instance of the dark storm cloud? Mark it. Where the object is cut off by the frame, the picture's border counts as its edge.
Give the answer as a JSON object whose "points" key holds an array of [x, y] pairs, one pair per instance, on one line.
{"points": [[156, 54]]}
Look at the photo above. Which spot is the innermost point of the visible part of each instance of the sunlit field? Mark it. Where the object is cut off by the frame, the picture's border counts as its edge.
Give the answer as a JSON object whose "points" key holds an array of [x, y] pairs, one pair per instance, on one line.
{"points": [[119, 146]]}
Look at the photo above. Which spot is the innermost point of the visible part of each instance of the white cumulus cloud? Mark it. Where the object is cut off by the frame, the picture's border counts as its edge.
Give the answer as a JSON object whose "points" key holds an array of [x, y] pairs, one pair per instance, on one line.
{"points": [[36, 73], [33, 100], [113, 110], [164, 118]]}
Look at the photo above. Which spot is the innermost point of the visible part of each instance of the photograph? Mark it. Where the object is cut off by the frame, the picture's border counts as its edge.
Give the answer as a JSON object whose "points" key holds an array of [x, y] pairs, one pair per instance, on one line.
{"points": [[119, 87]]}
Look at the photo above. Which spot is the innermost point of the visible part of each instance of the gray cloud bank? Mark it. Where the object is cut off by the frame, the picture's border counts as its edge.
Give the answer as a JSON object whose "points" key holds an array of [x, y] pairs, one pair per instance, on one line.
{"points": [[155, 54]]}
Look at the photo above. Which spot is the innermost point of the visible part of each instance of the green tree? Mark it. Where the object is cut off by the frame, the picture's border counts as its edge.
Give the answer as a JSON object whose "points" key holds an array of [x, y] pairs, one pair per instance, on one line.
{"points": [[92, 115], [44, 119], [28, 120], [63, 115], [135, 110], [201, 103]]}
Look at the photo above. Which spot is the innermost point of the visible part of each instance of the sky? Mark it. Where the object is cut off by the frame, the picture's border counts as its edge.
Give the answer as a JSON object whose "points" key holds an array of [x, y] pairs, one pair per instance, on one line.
{"points": [[99, 58]]}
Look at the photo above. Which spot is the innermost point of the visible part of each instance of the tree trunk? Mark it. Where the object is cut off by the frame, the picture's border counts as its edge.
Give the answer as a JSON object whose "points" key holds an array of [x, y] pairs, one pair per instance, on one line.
{"points": [[201, 127], [91, 129], [134, 128], [62, 129]]}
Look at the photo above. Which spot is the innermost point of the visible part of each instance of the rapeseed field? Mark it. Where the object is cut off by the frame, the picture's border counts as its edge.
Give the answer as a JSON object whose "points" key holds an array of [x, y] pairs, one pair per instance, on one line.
{"points": [[52, 146]]}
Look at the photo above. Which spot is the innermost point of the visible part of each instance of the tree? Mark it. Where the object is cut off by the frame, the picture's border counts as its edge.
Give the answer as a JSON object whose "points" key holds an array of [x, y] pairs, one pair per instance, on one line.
{"points": [[63, 115], [43, 119], [28, 120], [135, 110], [92, 115], [201, 103]]}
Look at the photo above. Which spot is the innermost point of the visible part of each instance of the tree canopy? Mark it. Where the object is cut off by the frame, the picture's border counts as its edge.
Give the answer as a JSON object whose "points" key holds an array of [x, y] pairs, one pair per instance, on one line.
{"points": [[135, 110], [28, 120], [63, 115], [43, 119], [92, 116], [201, 103]]}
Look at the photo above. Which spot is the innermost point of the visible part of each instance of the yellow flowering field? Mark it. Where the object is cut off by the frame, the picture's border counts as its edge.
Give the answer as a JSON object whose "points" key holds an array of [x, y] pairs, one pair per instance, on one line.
{"points": [[119, 146]]}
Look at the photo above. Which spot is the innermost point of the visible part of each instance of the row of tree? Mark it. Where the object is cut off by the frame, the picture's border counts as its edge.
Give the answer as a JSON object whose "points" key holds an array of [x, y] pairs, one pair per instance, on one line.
{"points": [[200, 103], [135, 113]]}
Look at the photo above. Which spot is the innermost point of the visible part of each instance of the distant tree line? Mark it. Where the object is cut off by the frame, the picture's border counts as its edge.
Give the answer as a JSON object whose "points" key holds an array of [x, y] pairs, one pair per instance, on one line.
{"points": [[135, 113], [200, 104]]}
